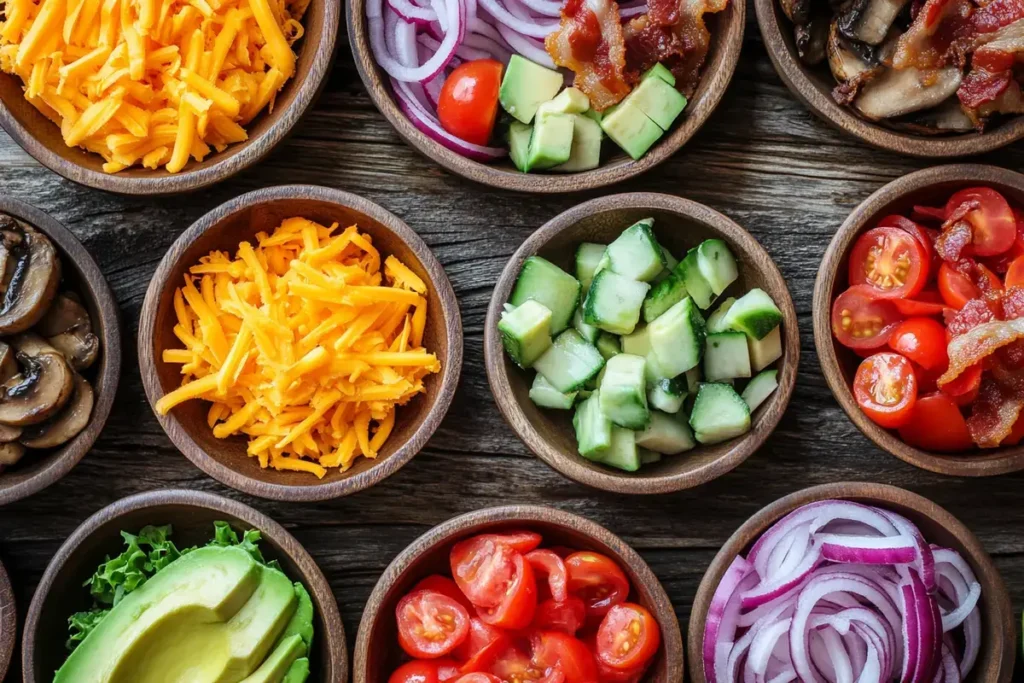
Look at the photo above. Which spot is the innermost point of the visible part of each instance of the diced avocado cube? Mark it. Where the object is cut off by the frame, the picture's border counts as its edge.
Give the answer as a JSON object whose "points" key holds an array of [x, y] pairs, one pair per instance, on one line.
{"points": [[635, 253], [631, 129], [764, 352], [660, 101], [588, 257], [593, 429], [569, 362], [623, 391], [677, 338], [526, 86], [608, 345], [753, 313], [659, 71], [519, 135], [613, 302], [569, 101], [585, 153], [551, 142], [697, 287], [546, 396], [717, 265], [542, 281], [526, 332]]}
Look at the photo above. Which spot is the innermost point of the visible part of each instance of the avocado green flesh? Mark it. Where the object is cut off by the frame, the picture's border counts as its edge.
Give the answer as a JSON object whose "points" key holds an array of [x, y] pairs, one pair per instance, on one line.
{"points": [[212, 616], [276, 666]]}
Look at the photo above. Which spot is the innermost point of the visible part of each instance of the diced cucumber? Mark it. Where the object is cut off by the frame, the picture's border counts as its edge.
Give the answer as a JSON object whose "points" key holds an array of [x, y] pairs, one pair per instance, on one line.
{"points": [[715, 319], [546, 396], [753, 313], [635, 253], [717, 265], [670, 264], [693, 379], [584, 394], [608, 345], [588, 332], [764, 352], [623, 392], [677, 338], [543, 281], [664, 295], [594, 382], [667, 395], [726, 356], [696, 286], [666, 434], [718, 413], [526, 332], [570, 362], [622, 453], [648, 457], [588, 255], [639, 344], [613, 302], [593, 429], [760, 388]]}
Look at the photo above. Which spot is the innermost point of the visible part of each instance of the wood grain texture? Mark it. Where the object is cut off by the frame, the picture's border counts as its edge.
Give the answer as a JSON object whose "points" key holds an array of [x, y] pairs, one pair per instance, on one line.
{"points": [[376, 654], [8, 622], [763, 160], [998, 621], [679, 225]]}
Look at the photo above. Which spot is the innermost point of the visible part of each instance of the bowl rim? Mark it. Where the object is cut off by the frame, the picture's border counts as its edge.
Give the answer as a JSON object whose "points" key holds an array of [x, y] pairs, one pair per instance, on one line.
{"points": [[794, 74], [974, 464], [451, 363], [312, 576], [109, 328], [882, 494], [548, 183], [475, 522], [636, 482], [8, 622], [188, 180]]}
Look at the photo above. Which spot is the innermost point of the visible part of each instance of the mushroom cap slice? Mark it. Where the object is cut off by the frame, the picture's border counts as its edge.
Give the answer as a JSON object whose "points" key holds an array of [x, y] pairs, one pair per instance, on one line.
{"points": [[34, 278], [845, 63], [79, 347], [41, 389], [869, 21], [812, 39], [63, 315], [8, 364], [896, 92], [10, 454], [9, 433], [66, 424]]}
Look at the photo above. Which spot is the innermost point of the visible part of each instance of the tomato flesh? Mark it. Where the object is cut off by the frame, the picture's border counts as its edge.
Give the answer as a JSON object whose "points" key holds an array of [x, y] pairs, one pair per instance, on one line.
{"points": [[922, 340], [885, 388], [425, 671], [483, 569], [567, 617], [444, 586], [597, 580], [468, 105], [481, 646], [860, 321], [479, 677], [519, 602], [628, 637], [964, 389], [936, 424], [559, 651], [891, 261], [1015, 273], [993, 224], [547, 562], [430, 624], [955, 287]]}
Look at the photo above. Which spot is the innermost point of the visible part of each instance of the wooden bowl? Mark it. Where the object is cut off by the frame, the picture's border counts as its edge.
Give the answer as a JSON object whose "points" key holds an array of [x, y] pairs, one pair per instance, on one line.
{"points": [[8, 623], [41, 138], [192, 514], [813, 86], [999, 637], [839, 364], [377, 652], [679, 225], [39, 469], [726, 39], [238, 220]]}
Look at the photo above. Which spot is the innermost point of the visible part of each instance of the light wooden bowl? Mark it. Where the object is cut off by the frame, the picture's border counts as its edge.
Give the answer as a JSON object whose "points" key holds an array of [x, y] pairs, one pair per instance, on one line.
{"points": [[999, 636], [79, 272], [192, 514], [8, 623], [679, 225], [726, 39], [839, 364], [240, 219], [377, 652], [41, 138], [813, 86]]}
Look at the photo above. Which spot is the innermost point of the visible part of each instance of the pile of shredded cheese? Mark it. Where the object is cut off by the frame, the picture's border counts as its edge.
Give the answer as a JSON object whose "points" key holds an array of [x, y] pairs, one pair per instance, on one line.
{"points": [[151, 82], [302, 343]]}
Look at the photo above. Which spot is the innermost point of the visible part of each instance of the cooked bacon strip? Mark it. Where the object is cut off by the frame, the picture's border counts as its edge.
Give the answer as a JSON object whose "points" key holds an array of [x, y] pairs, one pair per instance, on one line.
{"points": [[990, 88], [978, 344], [1013, 303], [954, 238], [993, 413], [927, 42], [696, 38], [648, 43], [975, 312], [590, 43]]}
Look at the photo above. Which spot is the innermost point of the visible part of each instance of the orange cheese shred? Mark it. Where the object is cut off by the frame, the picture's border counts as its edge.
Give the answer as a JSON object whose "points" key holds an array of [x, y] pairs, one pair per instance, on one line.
{"points": [[302, 344]]}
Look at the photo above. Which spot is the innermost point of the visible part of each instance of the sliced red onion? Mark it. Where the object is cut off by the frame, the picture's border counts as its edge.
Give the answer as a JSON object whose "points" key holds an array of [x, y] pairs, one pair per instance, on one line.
{"points": [[457, 20], [720, 626], [427, 123], [775, 588], [526, 28], [956, 578], [926, 561], [443, 20], [545, 8], [868, 549], [491, 48], [412, 13]]}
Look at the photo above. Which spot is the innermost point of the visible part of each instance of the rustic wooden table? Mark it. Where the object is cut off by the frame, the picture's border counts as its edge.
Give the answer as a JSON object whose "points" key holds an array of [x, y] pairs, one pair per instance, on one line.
{"points": [[762, 159]]}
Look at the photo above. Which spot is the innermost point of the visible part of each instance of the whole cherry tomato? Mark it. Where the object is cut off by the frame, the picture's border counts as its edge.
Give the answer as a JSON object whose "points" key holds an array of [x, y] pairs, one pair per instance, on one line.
{"points": [[922, 340]]}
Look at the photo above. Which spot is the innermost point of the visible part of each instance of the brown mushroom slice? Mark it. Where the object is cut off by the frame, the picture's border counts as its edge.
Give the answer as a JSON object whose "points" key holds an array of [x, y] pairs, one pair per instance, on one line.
{"points": [[797, 11], [64, 314], [8, 364], [67, 423], [34, 279], [845, 62], [42, 387], [9, 433], [80, 348], [10, 454], [869, 21], [811, 40], [948, 117], [896, 92]]}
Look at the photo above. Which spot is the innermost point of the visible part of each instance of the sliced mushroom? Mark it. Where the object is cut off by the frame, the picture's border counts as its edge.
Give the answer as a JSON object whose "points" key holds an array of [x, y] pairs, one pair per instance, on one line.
{"points": [[896, 92], [8, 364], [79, 348], [65, 425], [42, 387], [948, 117], [68, 329], [10, 454], [31, 274], [869, 21], [9, 433], [844, 60], [798, 11], [811, 39]]}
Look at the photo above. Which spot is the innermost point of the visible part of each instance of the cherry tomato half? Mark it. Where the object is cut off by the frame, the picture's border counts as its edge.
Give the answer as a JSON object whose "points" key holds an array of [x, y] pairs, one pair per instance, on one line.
{"points": [[481, 647], [567, 617], [479, 677], [597, 580], [955, 287], [929, 213], [468, 105], [936, 425], [891, 261], [519, 601], [628, 637], [425, 671], [922, 340], [886, 388], [547, 562], [430, 624], [860, 321], [920, 233], [993, 224], [483, 569], [520, 541], [1015, 273], [444, 586], [562, 652], [964, 389]]}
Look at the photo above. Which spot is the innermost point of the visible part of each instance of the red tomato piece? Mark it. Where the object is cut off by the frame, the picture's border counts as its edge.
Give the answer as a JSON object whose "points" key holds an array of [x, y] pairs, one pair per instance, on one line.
{"points": [[930, 213], [518, 603], [860, 321], [628, 637], [955, 287], [468, 105], [481, 647], [547, 562], [597, 580], [922, 340], [444, 586], [520, 541], [430, 624], [567, 617], [964, 389], [993, 224], [555, 650], [936, 425], [927, 380], [483, 569], [885, 388], [425, 671], [920, 233], [891, 261], [479, 677], [1015, 273], [515, 664], [912, 307]]}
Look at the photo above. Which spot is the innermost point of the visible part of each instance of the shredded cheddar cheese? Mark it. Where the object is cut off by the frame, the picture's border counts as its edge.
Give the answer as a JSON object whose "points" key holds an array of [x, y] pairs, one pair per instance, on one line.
{"points": [[151, 82], [306, 343]]}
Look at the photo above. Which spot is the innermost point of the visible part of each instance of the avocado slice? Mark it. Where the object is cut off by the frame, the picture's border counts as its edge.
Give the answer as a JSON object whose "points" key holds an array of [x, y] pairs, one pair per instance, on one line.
{"points": [[299, 671], [302, 620], [278, 664]]}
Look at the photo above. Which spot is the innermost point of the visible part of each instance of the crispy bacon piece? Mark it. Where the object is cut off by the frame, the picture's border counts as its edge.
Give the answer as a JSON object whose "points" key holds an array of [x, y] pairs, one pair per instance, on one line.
{"points": [[1013, 303], [954, 238], [590, 43], [697, 39], [990, 87], [927, 43], [975, 312], [978, 344], [648, 43], [993, 413]]}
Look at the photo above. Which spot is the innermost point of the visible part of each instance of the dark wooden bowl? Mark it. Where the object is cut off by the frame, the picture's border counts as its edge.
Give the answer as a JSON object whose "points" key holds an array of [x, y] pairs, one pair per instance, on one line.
{"points": [[839, 364], [8, 623], [813, 86], [726, 39], [377, 651], [679, 225], [39, 469], [999, 638], [192, 513], [41, 138], [238, 220]]}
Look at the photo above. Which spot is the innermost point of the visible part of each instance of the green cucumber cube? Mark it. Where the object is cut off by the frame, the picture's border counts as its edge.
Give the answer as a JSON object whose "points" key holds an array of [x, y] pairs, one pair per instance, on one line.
{"points": [[593, 429], [526, 332], [667, 395], [718, 414], [677, 338], [666, 434], [764, 352], [726, 356], [609, 345], [717, 265], [542, 281], [635, 253], [760, 388], [613, 302], [648, 457], [664, 295], [588, 256], [623, 391], [622, 453], [696, 286], [753, 313], [588, 332], [569, 362], [546, 396], [716, 319]]}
